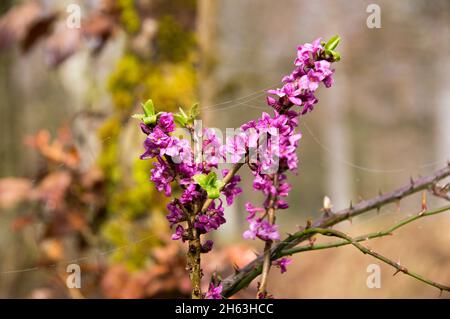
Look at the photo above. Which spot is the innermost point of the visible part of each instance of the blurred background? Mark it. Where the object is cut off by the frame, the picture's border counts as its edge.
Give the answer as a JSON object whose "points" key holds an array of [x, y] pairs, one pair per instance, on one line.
{"points": [[73, 189]]}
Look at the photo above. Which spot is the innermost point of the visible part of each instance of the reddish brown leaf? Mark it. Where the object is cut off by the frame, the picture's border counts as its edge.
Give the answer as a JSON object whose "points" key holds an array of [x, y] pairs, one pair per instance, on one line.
{"points": [[25, 24], [13, 191]]}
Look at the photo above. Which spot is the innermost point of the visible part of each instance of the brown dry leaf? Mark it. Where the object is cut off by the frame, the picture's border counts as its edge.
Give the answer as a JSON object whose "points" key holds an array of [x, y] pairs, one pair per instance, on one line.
{"points": [[114, 280], [97, 30], [53, 249], [62, 44], [20, 222], [52, 189], [38, 29], [57, 151], [92, 177], [13, 191], [76, 220], [25, 23], [240, 255]]}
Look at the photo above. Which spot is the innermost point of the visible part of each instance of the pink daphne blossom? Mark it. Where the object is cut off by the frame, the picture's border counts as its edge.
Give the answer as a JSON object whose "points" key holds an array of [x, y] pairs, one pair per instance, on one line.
{"points": [[214, 292], [262, 230], [282, 263], [274, 137], [235, 148]]}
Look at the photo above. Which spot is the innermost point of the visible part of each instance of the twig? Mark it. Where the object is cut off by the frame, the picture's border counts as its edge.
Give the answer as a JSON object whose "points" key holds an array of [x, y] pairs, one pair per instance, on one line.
{"points": [[365, 250], [441, 191], [245, 275], [270, 211]]}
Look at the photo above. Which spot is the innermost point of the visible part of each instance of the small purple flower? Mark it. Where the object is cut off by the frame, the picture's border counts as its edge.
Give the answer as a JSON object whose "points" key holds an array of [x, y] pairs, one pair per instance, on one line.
{"points": [[252, 210], [145, 129], [175, 214], [207, 246], [214, 292], [282, 263], [211, 220], [213, 150], [166, 123], [179, 231], [231, 190], [262, 230], [235, 148], [162, 176], [190, 194]]}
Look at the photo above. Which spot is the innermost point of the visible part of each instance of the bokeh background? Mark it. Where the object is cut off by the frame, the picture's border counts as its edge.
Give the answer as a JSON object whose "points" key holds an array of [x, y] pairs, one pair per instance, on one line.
{"points": [[74, 191]]}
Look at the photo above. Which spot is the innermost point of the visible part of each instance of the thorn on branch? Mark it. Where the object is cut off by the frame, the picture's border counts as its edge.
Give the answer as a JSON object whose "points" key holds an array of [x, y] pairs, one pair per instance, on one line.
{"points": [[424, 202]]}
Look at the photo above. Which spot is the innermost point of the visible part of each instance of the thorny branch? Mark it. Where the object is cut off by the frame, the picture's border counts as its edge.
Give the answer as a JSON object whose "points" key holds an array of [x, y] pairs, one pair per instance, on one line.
{"points": [[243, 277], [365, 250], [383, 233]]}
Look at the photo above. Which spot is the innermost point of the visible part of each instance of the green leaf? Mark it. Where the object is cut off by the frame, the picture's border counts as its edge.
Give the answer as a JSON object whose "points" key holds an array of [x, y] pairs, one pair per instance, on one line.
{"points": [[332, 43], [180, 119], [210, 184], [149, 120], [138, 116], [149, 108], [201, 179], [194, 112], [336, 55], [182, 112], [213, 193]]}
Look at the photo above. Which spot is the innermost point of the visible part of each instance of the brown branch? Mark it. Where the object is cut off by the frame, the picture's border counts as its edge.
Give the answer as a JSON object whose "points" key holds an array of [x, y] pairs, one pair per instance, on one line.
{"points": [[441, 191], [244, 276], [270, 211]]}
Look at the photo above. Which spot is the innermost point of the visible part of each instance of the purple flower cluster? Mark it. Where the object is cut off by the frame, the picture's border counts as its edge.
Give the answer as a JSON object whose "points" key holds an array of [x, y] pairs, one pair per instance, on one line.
{"points": [[311, 68], [268, 145], [175, 162]]}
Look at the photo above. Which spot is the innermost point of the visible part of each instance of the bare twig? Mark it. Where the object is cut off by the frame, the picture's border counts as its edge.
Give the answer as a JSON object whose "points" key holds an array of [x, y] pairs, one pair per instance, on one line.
{"points": [[270, 211], [365, 250], [245, 275], [386, 232], [441, 191]]}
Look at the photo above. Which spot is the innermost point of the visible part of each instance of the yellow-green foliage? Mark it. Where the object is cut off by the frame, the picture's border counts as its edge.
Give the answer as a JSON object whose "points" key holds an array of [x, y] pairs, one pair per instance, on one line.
{"points": [[172, 85], [129, 16], [123, 81], [136, 210], [174, 44]]}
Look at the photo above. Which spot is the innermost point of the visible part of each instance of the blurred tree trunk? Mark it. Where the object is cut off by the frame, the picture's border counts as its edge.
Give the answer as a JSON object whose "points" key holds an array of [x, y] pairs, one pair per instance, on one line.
{"points": [[206, 30], [442, 113]]}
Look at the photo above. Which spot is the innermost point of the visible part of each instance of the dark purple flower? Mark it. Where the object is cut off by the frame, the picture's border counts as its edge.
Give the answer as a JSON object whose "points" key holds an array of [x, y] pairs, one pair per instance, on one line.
{"points": [[162, 176], [207, 246], [190, 194], [231, 189], [175, 214], [262, 230], [282, 263], [145, 129], [178, 233], [214, 292], [165, 122], [211, 220]]}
